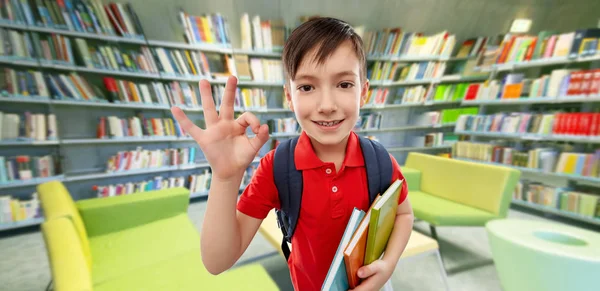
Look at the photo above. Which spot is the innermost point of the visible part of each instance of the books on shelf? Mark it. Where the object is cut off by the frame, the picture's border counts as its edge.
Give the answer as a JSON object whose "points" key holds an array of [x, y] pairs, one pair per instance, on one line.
{"points": [[472, 47], [563, 199], [17, 45], [145, 159], [266, 70], [179, 93], [555, 124], [368, 121], [157, 183], [114, 58], [137, 126], [81, 16], [455, 92], [53, 48], [395, 42], [182, 62], [22, 83], [23, 168], [453, 115], [434, 139], [73, 87], [394, 71], [130, 92], [27, 126], [283, 126], [547, 159], [13, 210], [261, 35], [249, 98], [206, 29]]}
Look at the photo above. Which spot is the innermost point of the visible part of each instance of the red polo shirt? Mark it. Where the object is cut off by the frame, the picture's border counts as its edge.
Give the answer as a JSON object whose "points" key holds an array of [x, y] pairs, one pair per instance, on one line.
{"points": [[328, 199]]}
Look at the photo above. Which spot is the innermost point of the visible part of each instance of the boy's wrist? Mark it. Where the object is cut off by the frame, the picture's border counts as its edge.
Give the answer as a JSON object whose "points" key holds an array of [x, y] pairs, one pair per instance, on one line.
{"points": [[233, 180]]}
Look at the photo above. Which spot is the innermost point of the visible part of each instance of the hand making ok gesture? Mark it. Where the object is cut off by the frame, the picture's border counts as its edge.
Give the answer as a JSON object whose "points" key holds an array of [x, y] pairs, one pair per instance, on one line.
{"points": [[224, 142]]}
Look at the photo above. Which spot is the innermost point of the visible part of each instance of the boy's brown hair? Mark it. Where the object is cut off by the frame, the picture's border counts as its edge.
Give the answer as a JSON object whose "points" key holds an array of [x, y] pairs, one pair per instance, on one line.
{"points": [[327, 34]]}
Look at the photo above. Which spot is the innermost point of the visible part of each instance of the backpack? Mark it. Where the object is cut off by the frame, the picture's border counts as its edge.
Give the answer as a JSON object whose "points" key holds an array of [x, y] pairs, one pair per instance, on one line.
{"points": [[288, 181]]}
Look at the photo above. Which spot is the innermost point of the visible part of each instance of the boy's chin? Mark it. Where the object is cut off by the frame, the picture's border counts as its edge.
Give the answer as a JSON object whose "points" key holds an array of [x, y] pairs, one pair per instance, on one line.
{"points": [[329, 138]]}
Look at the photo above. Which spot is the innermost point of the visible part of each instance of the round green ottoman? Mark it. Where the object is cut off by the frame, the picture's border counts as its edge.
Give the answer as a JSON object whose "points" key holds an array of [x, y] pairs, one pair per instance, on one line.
{"points": [[534, 255]]}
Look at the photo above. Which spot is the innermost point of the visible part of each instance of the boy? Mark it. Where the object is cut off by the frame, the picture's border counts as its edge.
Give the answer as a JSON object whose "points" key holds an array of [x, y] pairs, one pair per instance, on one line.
{"points": [[324, 64]]}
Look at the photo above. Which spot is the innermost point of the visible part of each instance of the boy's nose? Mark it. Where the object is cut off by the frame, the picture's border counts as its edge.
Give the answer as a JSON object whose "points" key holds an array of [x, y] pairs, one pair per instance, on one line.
{"points": [[327, 102]]}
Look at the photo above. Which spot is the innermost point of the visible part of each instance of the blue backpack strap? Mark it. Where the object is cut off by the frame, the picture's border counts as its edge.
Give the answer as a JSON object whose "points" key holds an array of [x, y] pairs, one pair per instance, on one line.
{"points": [[288, 181], [378, 165]]}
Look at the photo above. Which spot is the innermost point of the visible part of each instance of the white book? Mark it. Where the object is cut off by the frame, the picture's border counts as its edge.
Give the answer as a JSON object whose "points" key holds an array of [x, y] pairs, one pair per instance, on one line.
{"points": [[179, 59], [266, 35], [246, 32], [115, 126], [40, 127], [126, 19], [556, 78], [257, 33], [41, 84], [11, 126], [164, 60], [145, 93]]}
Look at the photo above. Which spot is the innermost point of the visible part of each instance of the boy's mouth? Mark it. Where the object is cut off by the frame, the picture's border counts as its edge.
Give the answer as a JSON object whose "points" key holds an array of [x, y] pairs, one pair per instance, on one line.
{"points": [[329, 123]]}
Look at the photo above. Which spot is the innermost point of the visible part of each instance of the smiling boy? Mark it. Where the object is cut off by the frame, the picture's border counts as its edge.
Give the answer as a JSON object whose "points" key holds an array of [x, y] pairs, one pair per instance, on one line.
{"points": [[326, 86]]}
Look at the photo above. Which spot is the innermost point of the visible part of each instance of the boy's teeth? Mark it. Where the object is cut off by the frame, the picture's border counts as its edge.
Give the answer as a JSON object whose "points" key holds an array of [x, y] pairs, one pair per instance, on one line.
{"points": [[331, 123]]}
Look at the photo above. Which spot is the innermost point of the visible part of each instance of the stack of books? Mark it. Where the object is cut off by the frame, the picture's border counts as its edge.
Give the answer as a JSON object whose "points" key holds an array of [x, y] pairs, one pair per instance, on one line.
{"points": [[22, 83], [549, 124], [377, 96], [265, 35], [129, 92], [368, 121], [283, 125], [89, 16], [472, 47], [145, 159], [206, 29], [53, 48], [182, 62], [72, 87], [564, 199], [114, 58], [543, 158], [201, 182], [23, 168], [394, 71], [395, 42], [157, 183], [27, 127], [364, 240], [456, 92], [17, 45], [138, 126], [266, 70], [12, 210], [434, 139]]}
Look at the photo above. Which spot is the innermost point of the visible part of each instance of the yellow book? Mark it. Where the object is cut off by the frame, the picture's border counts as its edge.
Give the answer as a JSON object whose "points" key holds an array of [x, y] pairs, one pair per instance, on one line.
{"points": [[189, 59], [15, 209], [570, 163], [207, 27], [134, 92]]}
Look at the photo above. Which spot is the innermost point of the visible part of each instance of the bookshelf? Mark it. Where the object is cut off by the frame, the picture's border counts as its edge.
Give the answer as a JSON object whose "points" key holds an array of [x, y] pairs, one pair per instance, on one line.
{"points": [[553, 211]]}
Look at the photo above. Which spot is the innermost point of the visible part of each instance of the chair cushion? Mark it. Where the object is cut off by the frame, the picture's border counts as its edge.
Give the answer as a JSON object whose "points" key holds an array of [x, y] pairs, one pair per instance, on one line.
{"points": [[186, 272], [440, 212], [122, 252]]}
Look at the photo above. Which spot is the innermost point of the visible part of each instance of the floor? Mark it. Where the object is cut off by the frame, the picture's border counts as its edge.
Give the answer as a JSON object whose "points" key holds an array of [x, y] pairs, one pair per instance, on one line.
{"points": [[466, 254]]}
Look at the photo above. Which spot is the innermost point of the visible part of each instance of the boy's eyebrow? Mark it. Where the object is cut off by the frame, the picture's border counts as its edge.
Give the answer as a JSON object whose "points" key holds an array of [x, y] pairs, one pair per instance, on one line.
{"points": [[339, 74]]}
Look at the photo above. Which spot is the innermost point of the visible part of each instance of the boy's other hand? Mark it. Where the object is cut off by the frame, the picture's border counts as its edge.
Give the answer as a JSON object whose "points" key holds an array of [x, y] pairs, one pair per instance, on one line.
{"points": [[374, 275], [224, 142]]}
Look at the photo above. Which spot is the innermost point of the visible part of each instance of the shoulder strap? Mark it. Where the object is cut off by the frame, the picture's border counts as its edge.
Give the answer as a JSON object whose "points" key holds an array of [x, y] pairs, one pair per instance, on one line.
{"points": [[378, 165], [288, 181]]}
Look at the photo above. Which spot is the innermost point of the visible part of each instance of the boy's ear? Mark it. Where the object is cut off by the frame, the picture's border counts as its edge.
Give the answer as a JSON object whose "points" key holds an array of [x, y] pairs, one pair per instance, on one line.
{"points": [[363, 93], [288, 96]]}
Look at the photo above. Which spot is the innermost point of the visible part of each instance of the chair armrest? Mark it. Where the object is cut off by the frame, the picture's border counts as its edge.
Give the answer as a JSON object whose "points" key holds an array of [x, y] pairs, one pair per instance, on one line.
{"points": [[412, 177], [68, 265], [111, 214]]}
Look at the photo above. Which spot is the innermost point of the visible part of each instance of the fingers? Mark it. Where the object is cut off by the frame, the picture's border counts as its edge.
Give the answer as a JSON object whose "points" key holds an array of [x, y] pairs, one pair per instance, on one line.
{"points": [[208, 104], [368, 270], [186, 124], [248, 119], [261, 137], [226, 109]]}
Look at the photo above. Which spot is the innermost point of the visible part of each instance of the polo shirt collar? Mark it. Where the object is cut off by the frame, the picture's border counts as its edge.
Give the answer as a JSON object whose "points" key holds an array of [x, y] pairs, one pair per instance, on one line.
{"points": [[305, 157]]}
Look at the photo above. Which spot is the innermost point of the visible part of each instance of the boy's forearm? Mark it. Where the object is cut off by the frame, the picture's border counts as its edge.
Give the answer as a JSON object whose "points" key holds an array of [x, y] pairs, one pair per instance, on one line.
{"points": [[399, 237], [220, 237]]}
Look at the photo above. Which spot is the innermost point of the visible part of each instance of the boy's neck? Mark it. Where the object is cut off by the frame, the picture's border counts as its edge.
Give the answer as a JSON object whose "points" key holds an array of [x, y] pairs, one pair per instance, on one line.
{"points": [[331, 153]]}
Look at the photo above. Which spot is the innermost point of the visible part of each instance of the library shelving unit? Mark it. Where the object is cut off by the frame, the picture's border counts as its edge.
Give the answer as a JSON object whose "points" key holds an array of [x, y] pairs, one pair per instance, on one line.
{"points": [[587, 103]]}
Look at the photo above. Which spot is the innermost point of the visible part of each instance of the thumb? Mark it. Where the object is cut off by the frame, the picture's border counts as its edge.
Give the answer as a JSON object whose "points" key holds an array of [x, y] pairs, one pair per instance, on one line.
{"points": [[367, 271], [261, 137]]}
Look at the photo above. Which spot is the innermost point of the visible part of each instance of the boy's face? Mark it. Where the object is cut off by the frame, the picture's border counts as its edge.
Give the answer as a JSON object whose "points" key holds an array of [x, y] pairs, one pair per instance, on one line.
{"points": [[326, 98]]}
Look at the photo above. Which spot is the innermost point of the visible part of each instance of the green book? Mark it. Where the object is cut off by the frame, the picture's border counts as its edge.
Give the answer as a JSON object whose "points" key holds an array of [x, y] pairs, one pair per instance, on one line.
{"points": [[461, 90], [439, 92], [381, 223], [587, 204]]}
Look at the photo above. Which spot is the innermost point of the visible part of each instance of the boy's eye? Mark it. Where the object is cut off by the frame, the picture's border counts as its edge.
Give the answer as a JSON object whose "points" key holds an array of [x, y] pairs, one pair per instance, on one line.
{"points": [[305, 88], [346, 85]]}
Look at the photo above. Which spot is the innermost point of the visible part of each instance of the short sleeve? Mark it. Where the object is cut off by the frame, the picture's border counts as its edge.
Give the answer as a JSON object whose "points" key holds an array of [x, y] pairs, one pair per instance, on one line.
{"points": [[260, 196], [397, 174]]}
